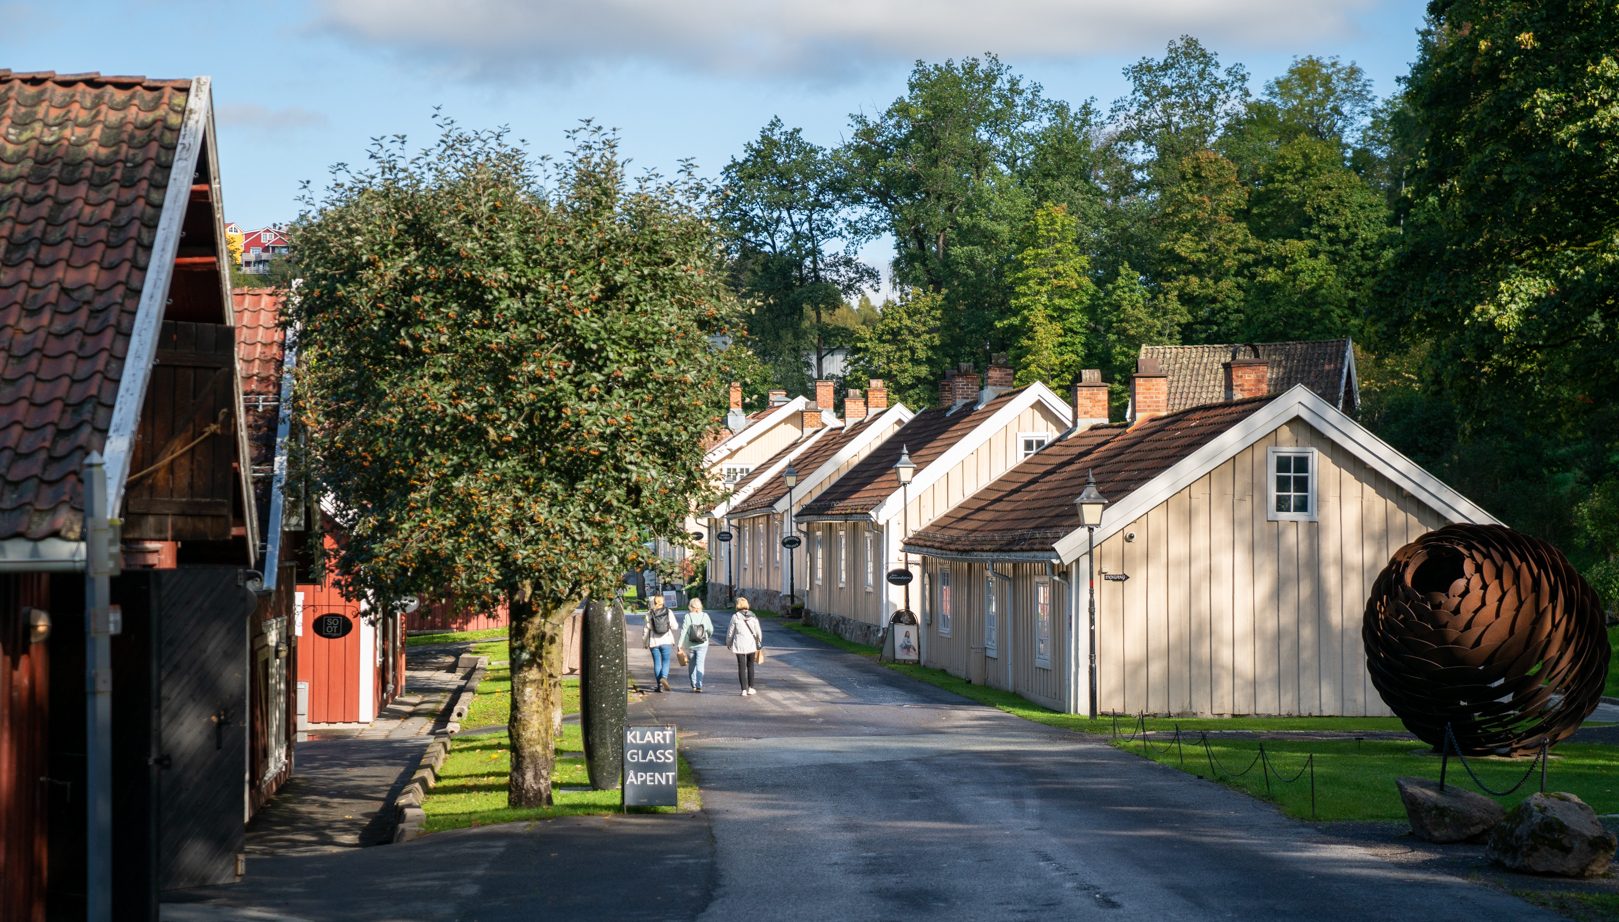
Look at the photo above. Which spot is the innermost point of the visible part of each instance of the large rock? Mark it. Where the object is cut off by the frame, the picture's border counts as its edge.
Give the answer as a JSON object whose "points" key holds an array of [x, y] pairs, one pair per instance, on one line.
{"points": [[1552, 834], [1450, 815]]}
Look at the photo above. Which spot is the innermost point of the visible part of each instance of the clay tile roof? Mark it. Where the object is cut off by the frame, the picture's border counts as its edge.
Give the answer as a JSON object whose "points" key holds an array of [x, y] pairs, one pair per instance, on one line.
{"points": [[1196, 376], [928, 435], [84, 162], [258, 355], [1031, 507], [812, 458]]}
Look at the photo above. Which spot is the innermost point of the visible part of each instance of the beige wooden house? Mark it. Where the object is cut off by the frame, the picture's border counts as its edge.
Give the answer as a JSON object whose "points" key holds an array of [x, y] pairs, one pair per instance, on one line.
{"points": [[759, 512], [854, 528], [1233, 562]]}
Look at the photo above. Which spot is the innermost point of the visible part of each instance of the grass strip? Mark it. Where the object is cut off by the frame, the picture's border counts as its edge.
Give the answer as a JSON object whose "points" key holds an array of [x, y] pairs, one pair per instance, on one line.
{"points": [[422, 640], [1612, 689], [1582, 907]]}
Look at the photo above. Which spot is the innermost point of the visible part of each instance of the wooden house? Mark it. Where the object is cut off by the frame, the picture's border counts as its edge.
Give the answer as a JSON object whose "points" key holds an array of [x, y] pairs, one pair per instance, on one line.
{"points": [[758, 514], [126, 764], [855, 526], [1232, 563]]}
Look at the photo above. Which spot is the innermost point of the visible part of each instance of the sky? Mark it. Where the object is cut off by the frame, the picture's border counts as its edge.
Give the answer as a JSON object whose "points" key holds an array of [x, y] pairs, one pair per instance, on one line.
{"points": [[302, 85]]}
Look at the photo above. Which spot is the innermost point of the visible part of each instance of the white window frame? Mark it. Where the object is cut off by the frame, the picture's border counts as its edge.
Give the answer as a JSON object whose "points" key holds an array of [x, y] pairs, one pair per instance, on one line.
{"points": [[1042, 622], [1023, 440], [744, 543], [733, 473], [992, 616], [947, 598], [871, 564], [1312, 494], [843, 556], [820, 557], [770, 526]]}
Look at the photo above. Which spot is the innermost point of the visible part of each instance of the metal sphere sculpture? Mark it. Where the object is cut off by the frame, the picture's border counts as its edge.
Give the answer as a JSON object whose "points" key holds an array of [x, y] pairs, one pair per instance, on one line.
{"points": [[1489, 631]]}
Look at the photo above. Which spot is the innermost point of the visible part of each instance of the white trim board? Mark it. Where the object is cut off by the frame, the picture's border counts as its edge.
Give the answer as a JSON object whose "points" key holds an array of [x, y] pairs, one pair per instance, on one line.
{"points": [[758, 476], [126, 410], [874, 424], [1299, 402], [737, 440], [971, 442], [278, 483]]}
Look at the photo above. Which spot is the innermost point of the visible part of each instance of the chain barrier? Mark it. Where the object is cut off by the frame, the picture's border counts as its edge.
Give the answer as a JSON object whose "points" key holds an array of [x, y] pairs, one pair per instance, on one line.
{"points": [[1450, 744], [1261, 758]]}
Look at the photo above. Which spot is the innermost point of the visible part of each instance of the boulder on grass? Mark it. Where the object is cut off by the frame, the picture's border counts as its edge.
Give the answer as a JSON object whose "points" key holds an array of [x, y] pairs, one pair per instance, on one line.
{"points": [[1553, 834], [1449, 815]]}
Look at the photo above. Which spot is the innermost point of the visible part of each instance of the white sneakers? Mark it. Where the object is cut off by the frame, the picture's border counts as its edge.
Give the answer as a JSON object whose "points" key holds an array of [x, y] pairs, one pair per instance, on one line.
{"points": [[750, 692]]}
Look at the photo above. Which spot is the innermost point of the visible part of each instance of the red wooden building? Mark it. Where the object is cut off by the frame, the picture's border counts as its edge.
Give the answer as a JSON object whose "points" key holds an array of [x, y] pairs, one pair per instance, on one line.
{"points": [[119, 386], [353, 657]]}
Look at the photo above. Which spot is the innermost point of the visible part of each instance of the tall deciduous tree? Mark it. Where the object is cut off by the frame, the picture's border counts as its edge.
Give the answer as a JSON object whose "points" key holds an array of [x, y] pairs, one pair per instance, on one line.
{"points": [[899, 347], [507, 381], [1052, 296]]}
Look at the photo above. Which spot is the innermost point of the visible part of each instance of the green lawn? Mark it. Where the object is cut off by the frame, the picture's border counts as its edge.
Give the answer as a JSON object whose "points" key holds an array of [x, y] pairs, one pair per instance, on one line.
{"points": [[422, 640], [1354, 779], [1613, 663], [1575, 905]]}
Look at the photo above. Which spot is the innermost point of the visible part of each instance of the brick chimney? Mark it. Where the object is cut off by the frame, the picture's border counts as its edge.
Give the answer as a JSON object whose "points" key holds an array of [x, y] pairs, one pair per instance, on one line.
{"points": [[947, 389], [1149, 390], [735, 419], [1090, 399], [854, 406], [810, 419], [877, 396], [1246, 375], [999, 374], [778, 397], [965, 386], [824, 394], [736, 395]]}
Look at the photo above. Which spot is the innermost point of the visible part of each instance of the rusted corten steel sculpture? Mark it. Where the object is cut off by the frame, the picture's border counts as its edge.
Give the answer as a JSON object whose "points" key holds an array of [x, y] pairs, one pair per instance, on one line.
{"points": [[1490, 631]]}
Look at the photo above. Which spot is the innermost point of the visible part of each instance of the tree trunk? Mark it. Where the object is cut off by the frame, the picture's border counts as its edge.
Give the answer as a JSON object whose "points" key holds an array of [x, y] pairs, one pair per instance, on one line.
{"points": [[536, 667]]}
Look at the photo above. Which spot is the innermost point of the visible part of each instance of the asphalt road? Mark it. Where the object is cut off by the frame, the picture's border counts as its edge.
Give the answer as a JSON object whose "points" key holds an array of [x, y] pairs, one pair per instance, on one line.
{"points": [[844, 791]]}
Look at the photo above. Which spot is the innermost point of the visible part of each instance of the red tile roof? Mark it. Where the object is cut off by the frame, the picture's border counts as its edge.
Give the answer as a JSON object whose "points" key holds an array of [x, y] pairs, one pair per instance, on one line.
{"points": [[812, 458], [1197, 378], [84, 163], [1031, 507], [928, 435], [258, 355]]}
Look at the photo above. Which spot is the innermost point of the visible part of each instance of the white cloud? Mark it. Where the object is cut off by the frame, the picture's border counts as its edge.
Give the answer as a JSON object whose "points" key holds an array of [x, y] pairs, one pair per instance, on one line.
{"points": [[818, 39], [268, 119]]}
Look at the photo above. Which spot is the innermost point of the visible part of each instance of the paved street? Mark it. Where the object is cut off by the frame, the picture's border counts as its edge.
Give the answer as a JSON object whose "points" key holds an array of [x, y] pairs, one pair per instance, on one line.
{"points": [[843, 791]]}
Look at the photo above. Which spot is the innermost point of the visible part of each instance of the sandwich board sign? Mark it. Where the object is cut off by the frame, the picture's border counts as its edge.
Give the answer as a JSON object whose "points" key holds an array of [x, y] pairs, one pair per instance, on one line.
{"points": [[650, 767]]}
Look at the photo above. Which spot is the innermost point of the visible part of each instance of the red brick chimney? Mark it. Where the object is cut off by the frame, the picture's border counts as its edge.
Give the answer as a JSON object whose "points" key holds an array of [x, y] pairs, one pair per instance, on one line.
{"points": [[854, 406], [877, 396], [1246, 375], [965, 386], [824, 394], [736, 395], [1149, 390], [810, 419], [947, 389], [778, 397], [1090, 399], [999, 374]]}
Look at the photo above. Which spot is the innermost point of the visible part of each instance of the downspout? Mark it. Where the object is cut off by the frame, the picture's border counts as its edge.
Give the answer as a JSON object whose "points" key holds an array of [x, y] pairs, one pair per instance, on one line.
{"points": [[98, 630]]}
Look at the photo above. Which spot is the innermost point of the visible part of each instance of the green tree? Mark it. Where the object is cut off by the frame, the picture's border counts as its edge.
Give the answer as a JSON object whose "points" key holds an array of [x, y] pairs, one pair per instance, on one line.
{"points": [[784, 205], [1178, 106], [506, 382], [1051, 301], [1126, 316], [1206, 248], [900, 346]]}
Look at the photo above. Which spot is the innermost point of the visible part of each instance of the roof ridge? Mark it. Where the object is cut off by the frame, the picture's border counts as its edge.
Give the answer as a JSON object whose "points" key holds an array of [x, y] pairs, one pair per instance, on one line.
{"points": [[51, 76]]}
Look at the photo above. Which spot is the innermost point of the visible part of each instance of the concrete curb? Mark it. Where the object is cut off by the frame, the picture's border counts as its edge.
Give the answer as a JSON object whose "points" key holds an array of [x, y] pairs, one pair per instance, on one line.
{"points": [[408, 802]]}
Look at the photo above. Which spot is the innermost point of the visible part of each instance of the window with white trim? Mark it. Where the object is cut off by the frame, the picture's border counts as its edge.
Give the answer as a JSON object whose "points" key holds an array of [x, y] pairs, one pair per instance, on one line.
{"points": [[771, 528], [871, 564], [992, 615], [1291, 487], [820, 557], [735, 472], [946, 606], [1030, 442], [744, 542], [1042, 622], [843, 555]]}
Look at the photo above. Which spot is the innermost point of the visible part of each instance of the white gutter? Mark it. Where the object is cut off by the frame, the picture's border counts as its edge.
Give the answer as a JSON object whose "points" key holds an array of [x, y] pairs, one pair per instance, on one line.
{"points": [[278, 486]]}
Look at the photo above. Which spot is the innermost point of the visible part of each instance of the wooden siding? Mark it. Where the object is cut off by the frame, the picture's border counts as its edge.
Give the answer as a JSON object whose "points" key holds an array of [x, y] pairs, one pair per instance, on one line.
{"points": [[1014, 668], [452, 616], [1226, 612], [330, 666], [24, 720]]}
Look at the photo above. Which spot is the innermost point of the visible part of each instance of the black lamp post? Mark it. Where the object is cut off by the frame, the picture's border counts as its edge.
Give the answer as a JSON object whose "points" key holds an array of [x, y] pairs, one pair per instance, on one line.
{"points": [[1091, 503], [790, 477], [904, 470]]}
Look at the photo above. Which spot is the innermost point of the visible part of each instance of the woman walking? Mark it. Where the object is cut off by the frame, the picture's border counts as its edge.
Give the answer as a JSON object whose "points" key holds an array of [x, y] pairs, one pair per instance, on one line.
{"points": [[745, 640], [695, 635], [658, 636]]}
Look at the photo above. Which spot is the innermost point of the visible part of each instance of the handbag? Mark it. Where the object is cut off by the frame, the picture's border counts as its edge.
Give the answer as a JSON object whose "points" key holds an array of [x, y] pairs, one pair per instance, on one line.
{"points": [[759, 655]]}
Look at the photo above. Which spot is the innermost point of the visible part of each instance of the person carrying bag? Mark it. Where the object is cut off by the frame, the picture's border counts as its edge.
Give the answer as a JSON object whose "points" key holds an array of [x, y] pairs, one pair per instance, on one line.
{"points": [[746, 641], [658, 636], [695, 635]]}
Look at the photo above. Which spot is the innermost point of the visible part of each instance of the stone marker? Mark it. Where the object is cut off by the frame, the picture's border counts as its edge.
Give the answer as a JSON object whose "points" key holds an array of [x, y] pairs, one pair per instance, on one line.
{"points": [[1552, 834], [1451, 815]]}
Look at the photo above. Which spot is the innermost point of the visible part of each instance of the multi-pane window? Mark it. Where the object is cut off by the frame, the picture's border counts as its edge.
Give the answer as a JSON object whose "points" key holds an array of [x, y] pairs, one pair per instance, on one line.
{"points": [[744, 542], [871, 564], [820, 558], [992, 616], [770, 528], [843, 556], [735, 472], [1031, 442], [946, 608], [1292, 484], [1042, 622]]}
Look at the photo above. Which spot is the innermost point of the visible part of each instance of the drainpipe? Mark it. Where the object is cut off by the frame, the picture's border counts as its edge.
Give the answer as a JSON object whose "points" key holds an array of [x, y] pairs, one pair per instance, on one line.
{"points": [[98, 694]]}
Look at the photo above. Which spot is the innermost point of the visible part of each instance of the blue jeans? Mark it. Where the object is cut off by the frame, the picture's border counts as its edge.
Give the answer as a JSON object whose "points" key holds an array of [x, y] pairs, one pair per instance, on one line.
{"points": [[660, 662], [698, 654]]}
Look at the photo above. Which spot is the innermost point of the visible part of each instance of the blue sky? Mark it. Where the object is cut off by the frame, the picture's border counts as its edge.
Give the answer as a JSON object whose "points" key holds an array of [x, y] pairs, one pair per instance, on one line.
{"points": [[305, 84]]}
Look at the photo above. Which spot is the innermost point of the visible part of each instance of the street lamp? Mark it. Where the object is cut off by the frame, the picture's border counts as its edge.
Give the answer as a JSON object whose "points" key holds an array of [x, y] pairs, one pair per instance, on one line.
{"points": [[1091, 503], [904, 470], [790, 477]]}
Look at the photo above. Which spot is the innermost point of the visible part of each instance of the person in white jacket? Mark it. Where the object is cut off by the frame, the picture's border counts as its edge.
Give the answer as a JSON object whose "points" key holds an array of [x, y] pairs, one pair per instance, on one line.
{"points": [[658, 636], [745, 640]]}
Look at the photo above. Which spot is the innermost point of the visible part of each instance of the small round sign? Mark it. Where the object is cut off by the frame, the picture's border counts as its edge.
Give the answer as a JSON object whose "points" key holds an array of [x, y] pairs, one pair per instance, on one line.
{"points": [[791, 541], [723, 536], [331, 627], [900, 577]]}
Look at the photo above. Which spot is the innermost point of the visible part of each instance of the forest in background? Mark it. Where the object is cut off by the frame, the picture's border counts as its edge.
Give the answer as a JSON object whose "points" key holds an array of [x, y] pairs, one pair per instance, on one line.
{"points": [[1464, 231]]}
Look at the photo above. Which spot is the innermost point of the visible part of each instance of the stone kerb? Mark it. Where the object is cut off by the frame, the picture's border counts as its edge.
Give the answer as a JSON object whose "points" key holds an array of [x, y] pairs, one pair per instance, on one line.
{"points": [[408, 803]]}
